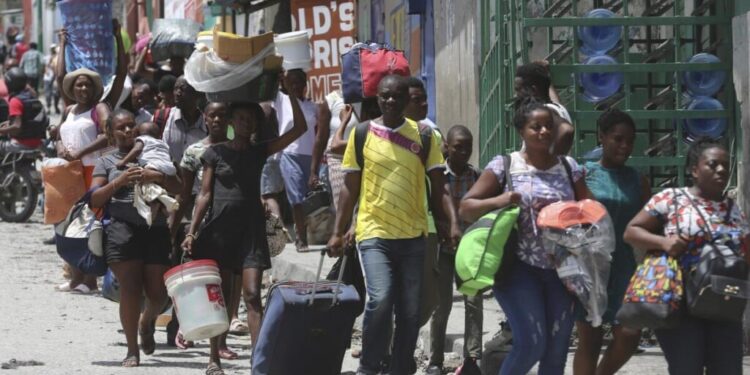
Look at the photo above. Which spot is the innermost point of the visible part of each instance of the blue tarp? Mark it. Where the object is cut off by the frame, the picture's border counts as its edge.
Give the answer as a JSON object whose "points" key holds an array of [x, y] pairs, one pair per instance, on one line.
{"points": [[90, 41]]}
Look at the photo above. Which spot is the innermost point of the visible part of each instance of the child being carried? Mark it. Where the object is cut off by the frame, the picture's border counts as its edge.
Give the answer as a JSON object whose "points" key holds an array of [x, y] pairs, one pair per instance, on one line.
{"points": [[153, 153]]}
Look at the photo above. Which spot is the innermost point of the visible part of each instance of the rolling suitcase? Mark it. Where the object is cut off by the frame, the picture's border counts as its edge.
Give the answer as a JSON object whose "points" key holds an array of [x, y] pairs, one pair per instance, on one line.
{"points": [[306, 328]]}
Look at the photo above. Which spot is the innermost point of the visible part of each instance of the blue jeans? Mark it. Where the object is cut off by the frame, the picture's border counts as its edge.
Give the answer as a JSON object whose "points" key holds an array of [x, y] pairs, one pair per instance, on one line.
{"points": [[393, 276], [698, 343], [541, 314]]}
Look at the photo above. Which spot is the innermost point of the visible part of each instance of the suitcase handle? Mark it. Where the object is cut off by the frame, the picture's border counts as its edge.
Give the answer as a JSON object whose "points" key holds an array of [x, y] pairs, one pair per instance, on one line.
{"points": [[337, 287]]}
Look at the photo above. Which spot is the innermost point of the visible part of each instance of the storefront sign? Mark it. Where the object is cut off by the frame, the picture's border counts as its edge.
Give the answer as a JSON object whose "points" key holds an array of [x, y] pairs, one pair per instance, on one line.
{"points": [[331, 25]]}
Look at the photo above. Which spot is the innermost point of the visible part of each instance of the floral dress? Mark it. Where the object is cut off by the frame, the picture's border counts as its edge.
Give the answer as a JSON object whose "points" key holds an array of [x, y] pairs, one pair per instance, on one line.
{"points": [[538, 189], [675, 210]]}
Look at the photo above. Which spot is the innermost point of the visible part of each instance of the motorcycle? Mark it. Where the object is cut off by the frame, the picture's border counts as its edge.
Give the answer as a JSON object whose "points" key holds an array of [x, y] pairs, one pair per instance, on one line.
{"points": [[20, 185]]}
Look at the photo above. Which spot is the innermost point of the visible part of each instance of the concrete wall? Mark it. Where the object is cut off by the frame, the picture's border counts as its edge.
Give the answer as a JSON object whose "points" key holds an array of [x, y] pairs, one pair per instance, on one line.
{"points": [[457, 59]]}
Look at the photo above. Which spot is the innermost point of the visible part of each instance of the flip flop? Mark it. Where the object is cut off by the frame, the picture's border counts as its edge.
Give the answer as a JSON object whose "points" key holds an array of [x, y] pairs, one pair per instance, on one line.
{"points": [[238, 327], [181, 343], [64, 287], [214, 369], [225, 353], [82, 289], [131, 361]]}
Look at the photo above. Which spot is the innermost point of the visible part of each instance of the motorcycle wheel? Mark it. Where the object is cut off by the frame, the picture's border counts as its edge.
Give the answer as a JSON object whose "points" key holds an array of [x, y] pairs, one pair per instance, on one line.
{"points": [[18, 201]]}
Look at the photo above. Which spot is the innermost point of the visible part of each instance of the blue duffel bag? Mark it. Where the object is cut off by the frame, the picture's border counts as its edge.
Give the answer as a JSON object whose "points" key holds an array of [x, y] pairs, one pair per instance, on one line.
{"points": [[72, 238]]}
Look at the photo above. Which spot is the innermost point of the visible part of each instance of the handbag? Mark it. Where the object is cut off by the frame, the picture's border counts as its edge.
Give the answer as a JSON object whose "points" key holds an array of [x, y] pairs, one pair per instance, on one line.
{"points": [[717, 287], [654, 294], [315, 200], [79, 236], [276, 235], [365, 65]]}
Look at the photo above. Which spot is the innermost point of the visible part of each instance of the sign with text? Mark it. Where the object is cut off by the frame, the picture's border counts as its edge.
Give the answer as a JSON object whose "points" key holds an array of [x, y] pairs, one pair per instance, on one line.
{"points": [[331, 25]]}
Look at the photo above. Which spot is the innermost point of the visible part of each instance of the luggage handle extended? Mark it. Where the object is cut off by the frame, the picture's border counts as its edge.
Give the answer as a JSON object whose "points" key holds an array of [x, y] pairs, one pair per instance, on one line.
{"points": [[337, 287]]}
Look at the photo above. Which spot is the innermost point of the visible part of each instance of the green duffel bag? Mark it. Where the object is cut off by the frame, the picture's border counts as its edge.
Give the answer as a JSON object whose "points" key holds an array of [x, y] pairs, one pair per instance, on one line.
{"points": [[480, 252]]}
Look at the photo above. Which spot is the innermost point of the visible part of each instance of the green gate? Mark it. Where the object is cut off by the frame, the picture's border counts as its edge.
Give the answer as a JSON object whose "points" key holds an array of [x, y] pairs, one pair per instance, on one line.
{"points": [[658, 38]]}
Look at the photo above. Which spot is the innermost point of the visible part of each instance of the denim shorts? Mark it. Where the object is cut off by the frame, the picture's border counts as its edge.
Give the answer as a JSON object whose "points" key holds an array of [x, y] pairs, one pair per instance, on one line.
{"points": [[271, 181], [295, 169]]}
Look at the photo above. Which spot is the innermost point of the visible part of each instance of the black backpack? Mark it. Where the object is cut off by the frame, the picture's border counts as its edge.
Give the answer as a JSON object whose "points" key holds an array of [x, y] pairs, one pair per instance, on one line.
{"points": [[35, 121]]}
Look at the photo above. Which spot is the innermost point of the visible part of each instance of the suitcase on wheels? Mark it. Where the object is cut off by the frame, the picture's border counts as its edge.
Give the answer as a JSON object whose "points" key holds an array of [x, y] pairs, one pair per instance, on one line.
{"points": [[307, 327]]}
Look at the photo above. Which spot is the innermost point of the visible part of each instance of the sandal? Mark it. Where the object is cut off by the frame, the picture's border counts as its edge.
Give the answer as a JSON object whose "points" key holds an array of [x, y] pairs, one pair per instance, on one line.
{"points": [[181, 343], [64, 287], [131, 360], [226, 353], [238, 327], [148, 344], [82, 289], [301, 246], [214, 369]]}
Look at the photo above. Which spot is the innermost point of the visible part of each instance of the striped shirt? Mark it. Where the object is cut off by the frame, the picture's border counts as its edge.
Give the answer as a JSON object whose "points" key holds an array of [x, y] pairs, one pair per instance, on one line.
{"points": [[392, 197]]}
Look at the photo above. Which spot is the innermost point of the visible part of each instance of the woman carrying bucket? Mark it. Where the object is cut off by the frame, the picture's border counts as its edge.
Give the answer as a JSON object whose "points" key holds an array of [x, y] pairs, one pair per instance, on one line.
{"points": [[234, 232], [138, 254]]}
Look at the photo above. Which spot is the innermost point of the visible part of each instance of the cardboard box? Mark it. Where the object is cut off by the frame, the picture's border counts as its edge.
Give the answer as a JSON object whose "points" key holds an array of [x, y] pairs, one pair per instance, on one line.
{"points": [[238, 49]]}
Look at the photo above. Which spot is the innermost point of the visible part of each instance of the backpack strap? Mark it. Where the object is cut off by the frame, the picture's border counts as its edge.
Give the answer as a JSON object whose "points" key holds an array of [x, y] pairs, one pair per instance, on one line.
{"points": [[569, 172], [425, 136], [360, 135], [508, 183]]}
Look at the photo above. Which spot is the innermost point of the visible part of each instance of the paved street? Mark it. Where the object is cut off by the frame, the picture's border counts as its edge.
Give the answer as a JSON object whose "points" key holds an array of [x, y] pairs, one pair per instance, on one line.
{"points": [[72, 334]]}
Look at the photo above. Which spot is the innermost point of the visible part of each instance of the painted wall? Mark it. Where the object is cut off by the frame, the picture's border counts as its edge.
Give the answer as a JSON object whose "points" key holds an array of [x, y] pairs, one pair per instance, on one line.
{"points": [[457, 58]]}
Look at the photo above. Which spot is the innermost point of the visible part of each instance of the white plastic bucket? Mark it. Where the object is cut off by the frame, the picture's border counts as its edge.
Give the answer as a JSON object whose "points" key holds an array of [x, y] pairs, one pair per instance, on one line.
{"points": [[195, 289], [295, 47], [207, 38]]}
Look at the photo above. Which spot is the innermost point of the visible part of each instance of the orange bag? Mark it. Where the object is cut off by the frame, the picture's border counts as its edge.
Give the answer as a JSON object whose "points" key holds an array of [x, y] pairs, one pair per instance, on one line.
{"points": [[63, 186]]}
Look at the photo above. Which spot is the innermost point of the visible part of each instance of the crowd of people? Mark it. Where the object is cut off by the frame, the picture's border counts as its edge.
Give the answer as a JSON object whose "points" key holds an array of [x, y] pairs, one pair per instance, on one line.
{"points": [[402, 195]]}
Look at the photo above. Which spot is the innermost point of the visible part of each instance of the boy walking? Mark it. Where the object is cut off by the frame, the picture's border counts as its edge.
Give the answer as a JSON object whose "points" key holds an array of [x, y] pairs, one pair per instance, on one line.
{"points": [[459, 178]]}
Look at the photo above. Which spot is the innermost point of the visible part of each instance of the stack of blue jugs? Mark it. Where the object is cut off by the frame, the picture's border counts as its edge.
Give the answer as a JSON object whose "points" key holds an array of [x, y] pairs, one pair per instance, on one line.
{"points": [[700, 89], [596, 42]]}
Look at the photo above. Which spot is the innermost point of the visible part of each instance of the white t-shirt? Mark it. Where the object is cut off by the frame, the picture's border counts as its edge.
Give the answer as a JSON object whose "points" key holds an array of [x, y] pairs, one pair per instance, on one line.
{"points": [[304, 144], [155, 155]]}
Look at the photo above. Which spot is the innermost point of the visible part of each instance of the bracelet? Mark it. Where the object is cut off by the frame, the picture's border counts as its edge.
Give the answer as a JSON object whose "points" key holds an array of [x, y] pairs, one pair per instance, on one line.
{"points": [[190, 235]]}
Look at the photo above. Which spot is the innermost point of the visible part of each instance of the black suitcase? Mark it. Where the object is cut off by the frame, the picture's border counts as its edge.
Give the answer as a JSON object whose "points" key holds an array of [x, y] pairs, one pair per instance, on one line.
{"points": [[307, 327]]}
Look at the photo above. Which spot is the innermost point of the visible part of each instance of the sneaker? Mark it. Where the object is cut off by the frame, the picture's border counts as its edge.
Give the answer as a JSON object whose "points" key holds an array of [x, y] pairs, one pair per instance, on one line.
{"points": [[433, 370], [470, 367], [50, 241]]}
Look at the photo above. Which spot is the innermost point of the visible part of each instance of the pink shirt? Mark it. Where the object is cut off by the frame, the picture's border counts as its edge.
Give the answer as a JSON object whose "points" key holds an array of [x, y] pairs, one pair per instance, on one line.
{"points": [[4, 94]]}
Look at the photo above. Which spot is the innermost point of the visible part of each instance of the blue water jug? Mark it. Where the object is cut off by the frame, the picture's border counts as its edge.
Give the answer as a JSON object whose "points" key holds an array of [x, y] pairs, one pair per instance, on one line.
{"points": [[597, 40], [599, 86], [594, 154], [704, 82], [695, 128]]}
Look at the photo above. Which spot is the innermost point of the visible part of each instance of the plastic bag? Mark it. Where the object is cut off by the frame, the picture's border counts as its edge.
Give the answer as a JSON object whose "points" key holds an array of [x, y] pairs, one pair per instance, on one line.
{"points": [[64, 185], [208, 73], [90, 43], [582, 246], [173, 37]]}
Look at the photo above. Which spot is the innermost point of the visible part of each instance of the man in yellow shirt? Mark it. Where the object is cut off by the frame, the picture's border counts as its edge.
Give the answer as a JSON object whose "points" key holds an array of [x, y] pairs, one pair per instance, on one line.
{"points": [[391, 224]]}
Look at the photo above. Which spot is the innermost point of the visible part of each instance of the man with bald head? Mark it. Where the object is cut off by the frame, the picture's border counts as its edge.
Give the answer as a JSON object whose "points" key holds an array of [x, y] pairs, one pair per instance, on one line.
{"points": [[388, 183]]}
